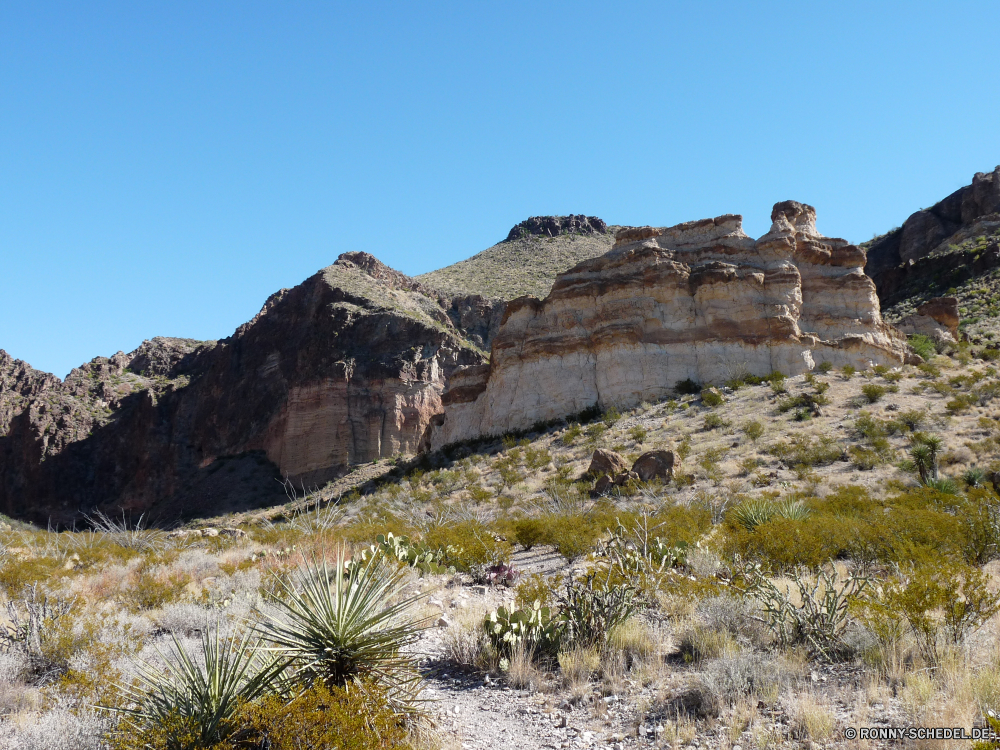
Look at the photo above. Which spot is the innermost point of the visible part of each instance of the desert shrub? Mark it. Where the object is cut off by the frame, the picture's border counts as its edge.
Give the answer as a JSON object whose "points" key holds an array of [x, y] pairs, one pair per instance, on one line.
{"points": [[322, 716], [712, 397], [918, 594], [18, 573], [56, 729], [728, 679], [909, 525], [537, 458], [922, 345], [824, 367], [347, 625], [571, 535], [151, 587], [713, 421], [699, 642], [572, 433], [848, 371], [803, 450], [638, 434], [736, 615], [687, 387], [803, 402], [753, 429], [872, 392], [535, 587], [468, 545], [530, 531]]}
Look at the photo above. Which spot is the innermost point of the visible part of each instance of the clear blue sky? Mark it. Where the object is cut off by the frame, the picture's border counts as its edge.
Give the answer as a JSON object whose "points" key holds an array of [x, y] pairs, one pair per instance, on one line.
{"points": [[164, 167]]}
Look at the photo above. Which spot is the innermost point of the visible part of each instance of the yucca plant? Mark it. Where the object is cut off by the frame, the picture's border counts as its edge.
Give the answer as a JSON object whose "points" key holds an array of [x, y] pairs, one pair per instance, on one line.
{"points": [[346, 625], [755, 511], [194, 703]]}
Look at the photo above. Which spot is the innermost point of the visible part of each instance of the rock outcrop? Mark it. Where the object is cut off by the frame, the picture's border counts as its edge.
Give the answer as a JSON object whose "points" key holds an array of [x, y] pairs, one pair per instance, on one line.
{"points": [[937, 318], [699, 300], [903, 261], [553, 226], [345, 368]]}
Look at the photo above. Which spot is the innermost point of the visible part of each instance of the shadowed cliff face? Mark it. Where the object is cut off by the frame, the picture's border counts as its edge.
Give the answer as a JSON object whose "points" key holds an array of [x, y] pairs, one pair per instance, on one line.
{"points": [[926, 253], [345, 368]]}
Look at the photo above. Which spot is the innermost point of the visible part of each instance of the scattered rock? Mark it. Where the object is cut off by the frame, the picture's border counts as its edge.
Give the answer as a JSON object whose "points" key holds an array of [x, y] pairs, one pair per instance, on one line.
{"points": [[605, 462], [655, 465]]}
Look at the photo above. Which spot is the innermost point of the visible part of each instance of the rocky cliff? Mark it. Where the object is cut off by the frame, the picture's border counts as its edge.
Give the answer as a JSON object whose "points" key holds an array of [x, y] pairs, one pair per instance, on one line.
{"points": [[345, 368], [700, 300], [940, 246]]}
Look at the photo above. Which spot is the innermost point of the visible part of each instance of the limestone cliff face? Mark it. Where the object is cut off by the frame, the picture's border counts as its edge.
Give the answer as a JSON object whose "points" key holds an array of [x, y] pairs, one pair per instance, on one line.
{"points": [[345, 368], [700, 300]]}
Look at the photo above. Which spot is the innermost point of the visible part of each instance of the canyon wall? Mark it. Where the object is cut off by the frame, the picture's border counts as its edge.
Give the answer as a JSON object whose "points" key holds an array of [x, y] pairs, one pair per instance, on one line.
{"points": [[700, 300], [346, 368]]}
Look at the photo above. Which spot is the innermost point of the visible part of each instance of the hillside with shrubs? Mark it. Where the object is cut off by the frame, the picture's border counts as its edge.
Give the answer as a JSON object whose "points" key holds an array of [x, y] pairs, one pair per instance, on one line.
{"points": [[822, 554]]}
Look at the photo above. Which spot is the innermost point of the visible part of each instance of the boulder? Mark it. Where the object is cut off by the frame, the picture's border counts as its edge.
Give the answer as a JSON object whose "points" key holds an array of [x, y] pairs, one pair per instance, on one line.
{"points": [[625, 477], [603, 485], [605, 462], [655, 465], [937, 319]]}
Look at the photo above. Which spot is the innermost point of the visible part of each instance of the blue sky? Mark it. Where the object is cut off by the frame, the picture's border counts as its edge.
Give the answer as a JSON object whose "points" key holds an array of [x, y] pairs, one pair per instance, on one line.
{"points": [[164, 167]]}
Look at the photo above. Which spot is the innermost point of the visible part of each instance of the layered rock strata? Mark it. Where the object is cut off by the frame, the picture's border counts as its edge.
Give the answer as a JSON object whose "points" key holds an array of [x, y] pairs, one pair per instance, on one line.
{"points": [[345, 368], [699, 300]]}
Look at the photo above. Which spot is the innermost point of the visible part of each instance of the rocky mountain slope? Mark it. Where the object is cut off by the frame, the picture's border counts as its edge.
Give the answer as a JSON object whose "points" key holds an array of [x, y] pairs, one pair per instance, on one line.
{"points": [[940, 247], [699, 301], [345, 368], [527, 262]]}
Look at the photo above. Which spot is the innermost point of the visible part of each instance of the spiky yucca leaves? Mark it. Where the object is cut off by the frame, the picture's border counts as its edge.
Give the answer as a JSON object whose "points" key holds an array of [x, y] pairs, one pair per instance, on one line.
{"points": [[348, 624], [755, 511], [190, 703]]}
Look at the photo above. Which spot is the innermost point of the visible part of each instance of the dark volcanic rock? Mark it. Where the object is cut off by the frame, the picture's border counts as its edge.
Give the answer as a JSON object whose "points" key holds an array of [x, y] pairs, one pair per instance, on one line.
{"points": [[896, 260], [345, 368], [552, 226]]}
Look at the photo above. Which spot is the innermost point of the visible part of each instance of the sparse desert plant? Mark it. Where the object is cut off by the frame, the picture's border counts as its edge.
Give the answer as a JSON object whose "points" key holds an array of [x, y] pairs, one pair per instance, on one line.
{"points": [[714, 421], [347, 625], [753, 429], [729, 678], [712, 397], [638, 433], [974, 477], [824, 367], [922, 345], [131, 536], [847, 371], [814, 615], [737, 615], [753, 512], [700, 642], [195, 700], [324, 717], [872, 392], [588, 612], [572, 433]]}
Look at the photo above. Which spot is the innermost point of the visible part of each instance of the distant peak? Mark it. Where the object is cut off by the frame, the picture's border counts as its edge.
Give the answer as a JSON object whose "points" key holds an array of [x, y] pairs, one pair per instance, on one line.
{"points": [[553, 226]]}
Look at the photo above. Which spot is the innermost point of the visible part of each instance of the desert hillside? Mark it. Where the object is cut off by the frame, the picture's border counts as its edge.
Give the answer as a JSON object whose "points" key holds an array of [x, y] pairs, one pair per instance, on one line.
{"points": [[527, 262]]}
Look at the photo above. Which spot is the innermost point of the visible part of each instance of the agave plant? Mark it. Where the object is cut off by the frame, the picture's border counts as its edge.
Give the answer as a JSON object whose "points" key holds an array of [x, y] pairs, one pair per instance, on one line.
{"points": [[189, 698], [347, 625]]}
